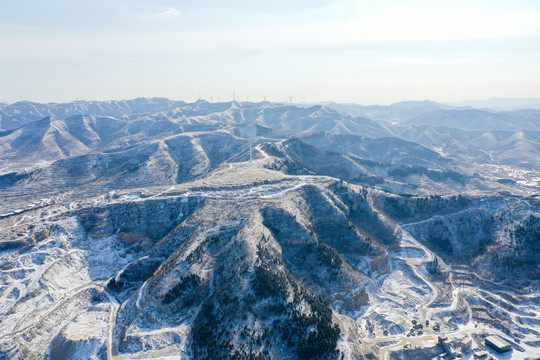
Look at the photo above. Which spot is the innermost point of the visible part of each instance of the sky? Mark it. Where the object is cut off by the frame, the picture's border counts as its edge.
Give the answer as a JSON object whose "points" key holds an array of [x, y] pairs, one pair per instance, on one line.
{"points": [[357, 51]]}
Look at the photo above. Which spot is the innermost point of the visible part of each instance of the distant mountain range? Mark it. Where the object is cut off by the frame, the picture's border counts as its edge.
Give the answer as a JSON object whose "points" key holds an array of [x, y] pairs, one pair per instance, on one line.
{"points": [[394, 112], [494, 111], [14, 115], [501, 104], [473, 119]]}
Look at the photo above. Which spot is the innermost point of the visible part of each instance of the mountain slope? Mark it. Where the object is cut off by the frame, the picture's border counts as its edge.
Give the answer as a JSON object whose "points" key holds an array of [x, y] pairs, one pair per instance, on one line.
{"points": [[519, 147], [297, 157]]}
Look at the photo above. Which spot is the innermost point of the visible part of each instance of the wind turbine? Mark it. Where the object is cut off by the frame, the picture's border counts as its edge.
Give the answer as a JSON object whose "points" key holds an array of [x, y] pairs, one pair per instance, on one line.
{"points": [[287, 121], [253, 138]]}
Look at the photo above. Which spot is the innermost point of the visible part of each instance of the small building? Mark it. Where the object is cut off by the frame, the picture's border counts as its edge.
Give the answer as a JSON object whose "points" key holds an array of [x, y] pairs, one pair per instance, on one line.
{"points": [[482, 354], [498, 344]]}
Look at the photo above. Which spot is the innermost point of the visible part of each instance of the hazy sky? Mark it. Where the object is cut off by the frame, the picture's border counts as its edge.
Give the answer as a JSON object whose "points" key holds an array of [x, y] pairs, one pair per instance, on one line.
{"points": [[363, 51]]}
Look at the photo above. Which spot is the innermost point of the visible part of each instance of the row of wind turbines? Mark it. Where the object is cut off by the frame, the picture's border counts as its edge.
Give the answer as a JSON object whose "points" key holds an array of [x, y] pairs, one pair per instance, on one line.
{"points": [[237, 98]]}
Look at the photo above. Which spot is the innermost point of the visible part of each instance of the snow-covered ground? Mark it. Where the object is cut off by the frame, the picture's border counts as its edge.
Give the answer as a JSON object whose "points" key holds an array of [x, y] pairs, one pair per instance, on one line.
{"points": [[54, 292]]}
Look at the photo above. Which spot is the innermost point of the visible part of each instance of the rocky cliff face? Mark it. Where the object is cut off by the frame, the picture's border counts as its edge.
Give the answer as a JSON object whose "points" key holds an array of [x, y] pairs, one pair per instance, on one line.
{"points": [[498, 236]]}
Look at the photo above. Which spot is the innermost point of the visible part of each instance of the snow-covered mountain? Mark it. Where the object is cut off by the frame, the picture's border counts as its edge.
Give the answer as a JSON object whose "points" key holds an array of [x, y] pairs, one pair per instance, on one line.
{"points": [[14, 115], [162, 230], [509, 147]]}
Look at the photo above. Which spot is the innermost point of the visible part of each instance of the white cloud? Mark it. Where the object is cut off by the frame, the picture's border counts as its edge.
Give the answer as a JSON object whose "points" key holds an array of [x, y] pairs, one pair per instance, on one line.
{"points": [[169, 12]]}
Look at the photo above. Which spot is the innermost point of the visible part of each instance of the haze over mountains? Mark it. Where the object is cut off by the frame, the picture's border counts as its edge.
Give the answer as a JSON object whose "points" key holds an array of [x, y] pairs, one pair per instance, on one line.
{"points": [[499, 104], [152, 228]]}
